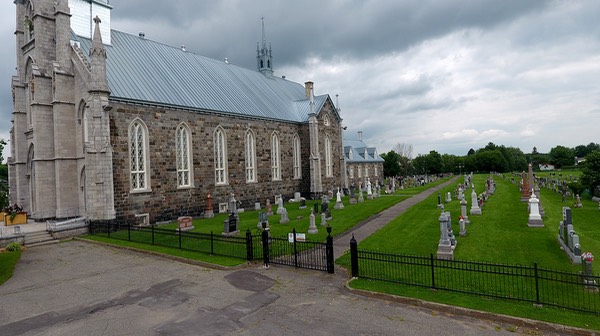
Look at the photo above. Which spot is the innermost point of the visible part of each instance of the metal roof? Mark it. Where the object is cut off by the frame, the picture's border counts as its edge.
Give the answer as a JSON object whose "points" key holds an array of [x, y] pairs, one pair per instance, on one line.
{"points": [[145, 71], [361, 153]]}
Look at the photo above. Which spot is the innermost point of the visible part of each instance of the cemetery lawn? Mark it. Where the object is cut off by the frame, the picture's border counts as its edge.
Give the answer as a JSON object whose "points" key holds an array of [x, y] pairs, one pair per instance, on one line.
{"points": [[8, 260], [343, 220], [499, 235]]}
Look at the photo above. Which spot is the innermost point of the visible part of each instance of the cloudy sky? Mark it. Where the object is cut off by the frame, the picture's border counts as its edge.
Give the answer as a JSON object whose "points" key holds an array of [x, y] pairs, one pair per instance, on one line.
{"points": [[439, 75]]}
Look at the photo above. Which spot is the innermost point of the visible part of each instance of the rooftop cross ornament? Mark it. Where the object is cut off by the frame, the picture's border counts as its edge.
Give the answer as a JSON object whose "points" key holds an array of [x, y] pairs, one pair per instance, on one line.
{"points": [[97, 19]]}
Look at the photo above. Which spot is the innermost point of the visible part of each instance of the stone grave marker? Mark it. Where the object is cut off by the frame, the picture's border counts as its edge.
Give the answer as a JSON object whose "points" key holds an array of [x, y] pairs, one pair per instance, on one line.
{"points": [[230, 225], [312, 227]]}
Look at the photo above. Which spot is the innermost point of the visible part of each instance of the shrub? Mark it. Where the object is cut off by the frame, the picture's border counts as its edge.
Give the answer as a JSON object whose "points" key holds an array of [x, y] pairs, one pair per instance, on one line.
{"points": [[13, 247]]}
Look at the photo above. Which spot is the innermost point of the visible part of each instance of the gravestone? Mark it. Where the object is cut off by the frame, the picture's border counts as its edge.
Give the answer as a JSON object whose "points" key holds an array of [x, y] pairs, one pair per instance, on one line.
{"points": [[303, 203], [445, 250], [297, 197], [208, 210], [316, 208], [360, 196], [338, 201], [567, 238], [463, 228], [324, 206], [463, 211], [230, 225], [448, 197], [263, 218], [535, 219], [280, 208], [352, 195], [312, 227], [269, 208], [328, 214], [578, 202], [524, 188], [323, 219], [257, 205], [284, 216], [439, 205], [369, 189], [475, 209], [184, 223]]}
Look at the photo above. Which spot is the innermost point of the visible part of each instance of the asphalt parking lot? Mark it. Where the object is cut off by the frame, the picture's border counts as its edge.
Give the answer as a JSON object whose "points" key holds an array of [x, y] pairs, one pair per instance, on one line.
{"points": [[80, 288]]}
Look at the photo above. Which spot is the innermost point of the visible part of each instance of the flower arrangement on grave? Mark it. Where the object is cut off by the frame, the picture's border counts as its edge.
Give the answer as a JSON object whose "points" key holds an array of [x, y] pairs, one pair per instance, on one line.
{"points": [[587, 256]]}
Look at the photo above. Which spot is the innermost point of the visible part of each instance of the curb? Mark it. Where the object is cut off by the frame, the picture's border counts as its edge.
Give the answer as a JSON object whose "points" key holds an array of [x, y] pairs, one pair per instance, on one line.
{"points": [[520, 322]]}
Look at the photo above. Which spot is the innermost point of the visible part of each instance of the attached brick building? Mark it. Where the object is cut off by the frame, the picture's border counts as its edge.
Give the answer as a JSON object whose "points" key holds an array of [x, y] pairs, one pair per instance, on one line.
{"points": [[108, 125]]}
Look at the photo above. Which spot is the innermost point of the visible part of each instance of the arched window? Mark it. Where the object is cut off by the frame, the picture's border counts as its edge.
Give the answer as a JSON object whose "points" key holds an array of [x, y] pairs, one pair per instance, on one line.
{"points": [[138, 156], [326, 121], [28, 22], [366, 171], [220, 156], [351, 171], [275, 157], [350, 154], [250, 157], [297, 161], [183, 156], [328, 159]]}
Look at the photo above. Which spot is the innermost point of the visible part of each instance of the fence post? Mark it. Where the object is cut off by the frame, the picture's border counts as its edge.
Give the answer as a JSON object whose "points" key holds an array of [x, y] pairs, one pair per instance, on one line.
{"points": [[179, 238], [354, 256], [537, 286], [295, 249], [265, 244], [249, 247], [152, 227], [329, 252], [431, 262], [212, 244]]}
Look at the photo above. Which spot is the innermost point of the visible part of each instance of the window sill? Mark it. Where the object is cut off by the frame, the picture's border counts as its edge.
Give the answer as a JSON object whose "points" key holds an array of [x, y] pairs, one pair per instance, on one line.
{"points": [[142, 191], [185, 187]]}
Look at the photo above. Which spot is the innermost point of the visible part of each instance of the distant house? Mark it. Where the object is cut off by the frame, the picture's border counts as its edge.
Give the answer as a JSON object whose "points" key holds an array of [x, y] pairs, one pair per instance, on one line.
{"points": [[362, 162], [579, 160], [546, 166]]}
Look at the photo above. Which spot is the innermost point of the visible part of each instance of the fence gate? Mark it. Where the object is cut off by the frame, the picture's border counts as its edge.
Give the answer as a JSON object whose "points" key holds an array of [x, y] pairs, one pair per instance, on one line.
{"points": [[296, 251]]}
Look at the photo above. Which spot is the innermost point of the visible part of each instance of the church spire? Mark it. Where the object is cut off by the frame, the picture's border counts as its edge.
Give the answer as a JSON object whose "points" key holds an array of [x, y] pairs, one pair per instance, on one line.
{"points": [[98, 60], [264, 56]]}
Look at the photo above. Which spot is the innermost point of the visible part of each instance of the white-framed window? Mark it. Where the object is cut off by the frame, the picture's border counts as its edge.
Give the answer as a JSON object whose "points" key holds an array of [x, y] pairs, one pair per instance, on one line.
{"points": [[220, 144], [275, 157], [359, 168], [250, 156], [326, 121], [351, 171], [183, 156], [138, 156], [366, 171], [375, 171], [350, 154], [297, 156], [328, 159]]}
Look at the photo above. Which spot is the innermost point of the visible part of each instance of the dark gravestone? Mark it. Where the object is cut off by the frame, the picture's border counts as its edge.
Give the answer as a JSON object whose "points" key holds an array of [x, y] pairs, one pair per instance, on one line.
{"points": [[316, 208], [324, 207]]}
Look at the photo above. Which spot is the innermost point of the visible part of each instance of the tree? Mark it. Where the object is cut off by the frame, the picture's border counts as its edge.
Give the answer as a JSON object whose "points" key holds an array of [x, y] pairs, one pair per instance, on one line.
{"points": [[561, 156], [591, 172], [491, 160], [391, 163], [471, 152], [404, 150]]}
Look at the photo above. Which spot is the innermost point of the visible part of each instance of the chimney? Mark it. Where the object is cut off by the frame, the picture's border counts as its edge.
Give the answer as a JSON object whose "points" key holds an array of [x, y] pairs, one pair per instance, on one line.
{"points": [[308, 87], [360, 135], [183, 47], [142, 35]]}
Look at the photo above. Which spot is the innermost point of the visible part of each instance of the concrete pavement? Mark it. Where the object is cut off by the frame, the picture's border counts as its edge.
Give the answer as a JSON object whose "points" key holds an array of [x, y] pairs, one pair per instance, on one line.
{"points": [[80, 288]]}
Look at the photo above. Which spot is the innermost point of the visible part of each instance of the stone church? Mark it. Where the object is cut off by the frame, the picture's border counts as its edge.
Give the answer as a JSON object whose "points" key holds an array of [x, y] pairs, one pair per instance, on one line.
{"points": [[109, 125]]}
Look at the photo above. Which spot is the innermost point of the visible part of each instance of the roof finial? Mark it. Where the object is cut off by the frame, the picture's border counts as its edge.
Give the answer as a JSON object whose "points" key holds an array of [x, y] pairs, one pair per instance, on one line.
{"points": [[97, 19], [264, 35]]}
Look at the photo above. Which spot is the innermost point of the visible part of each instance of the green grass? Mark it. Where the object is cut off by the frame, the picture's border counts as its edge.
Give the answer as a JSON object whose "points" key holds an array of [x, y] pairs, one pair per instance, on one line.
{"points": [[8, 260], [506, 307], [499, 235], [204, 257]]}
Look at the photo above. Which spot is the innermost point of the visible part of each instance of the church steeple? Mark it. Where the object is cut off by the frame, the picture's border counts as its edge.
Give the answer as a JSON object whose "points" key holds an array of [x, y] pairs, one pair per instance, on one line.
{"points": [[264, 56]]}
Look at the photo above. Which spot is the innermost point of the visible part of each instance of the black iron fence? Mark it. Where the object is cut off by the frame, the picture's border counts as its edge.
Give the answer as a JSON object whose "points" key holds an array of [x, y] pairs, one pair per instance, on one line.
{"points": [[575, 291], [291, 251]]}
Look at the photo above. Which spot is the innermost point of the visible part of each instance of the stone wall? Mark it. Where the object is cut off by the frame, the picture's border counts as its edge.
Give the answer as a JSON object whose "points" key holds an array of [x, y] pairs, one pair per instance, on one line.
{"points": [[166, 201]]}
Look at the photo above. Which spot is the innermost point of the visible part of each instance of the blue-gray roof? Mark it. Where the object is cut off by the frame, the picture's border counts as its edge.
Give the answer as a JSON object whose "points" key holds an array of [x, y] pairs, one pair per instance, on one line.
{"points": [[361, 153], [142, 70]]}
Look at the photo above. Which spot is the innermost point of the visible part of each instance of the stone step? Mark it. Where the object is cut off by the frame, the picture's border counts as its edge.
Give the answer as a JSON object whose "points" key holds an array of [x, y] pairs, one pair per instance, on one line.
{"points": [[38, 238]]}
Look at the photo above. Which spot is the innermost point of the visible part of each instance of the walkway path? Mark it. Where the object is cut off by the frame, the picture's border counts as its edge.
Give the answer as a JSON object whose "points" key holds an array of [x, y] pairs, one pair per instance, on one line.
{"points": [[341, 244]]}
